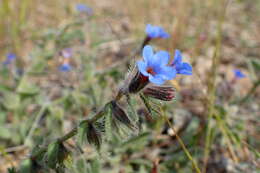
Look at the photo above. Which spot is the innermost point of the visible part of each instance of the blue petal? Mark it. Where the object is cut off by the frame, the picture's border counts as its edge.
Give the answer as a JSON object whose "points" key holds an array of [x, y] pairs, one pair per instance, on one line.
{"points": [[10, 56], [142, 66], [156, 32], [187, 66], [147, 53], [163, 56], [152, 31], [84, 8], [65, 67], [184, 68], [185, 72], [154, 62], [166, 72], [156, 79], [177, 58], [148, 28], [239, 74], [163, 34]]}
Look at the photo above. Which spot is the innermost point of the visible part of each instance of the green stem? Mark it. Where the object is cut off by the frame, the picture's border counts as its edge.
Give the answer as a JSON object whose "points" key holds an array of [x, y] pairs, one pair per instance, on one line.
{"points": [[185, 149], [35, 123], [212, 83]]}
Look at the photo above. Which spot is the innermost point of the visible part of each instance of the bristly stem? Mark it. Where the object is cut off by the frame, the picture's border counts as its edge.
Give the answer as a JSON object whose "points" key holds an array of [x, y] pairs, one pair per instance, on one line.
{"points": [[74, 131]]}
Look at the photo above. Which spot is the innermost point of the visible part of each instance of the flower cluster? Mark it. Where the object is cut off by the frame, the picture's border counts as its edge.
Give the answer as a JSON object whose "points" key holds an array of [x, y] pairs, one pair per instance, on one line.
{"points": [[9, 58], [82, 8], [155, 66], [66, 54], [156, 32]]}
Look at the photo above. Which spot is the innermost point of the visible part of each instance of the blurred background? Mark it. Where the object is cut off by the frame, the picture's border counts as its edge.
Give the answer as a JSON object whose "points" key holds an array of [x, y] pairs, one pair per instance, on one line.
{"points": [[61, 60]]}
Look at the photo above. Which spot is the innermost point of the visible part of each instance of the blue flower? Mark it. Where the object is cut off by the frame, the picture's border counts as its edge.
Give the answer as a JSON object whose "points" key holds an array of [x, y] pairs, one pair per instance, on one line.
{"points": [[239, 74], [155, 67], [84, 8], [66, 53], [156, 32], [9, 58], [181, 67], [65, 67]]}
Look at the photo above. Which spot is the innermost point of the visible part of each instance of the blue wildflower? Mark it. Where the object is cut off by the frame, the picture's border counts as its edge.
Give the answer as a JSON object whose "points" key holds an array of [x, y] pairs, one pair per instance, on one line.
{"points": [[239, 74], [84, 9], [9, 58], [65, 67], [156, 32], [181, 67], [66, 53], [154, 67]]}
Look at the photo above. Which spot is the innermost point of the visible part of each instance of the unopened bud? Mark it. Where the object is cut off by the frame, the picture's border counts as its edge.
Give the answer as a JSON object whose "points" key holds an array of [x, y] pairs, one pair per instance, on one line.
{"points": [[94, 136], [120, 115], [137, 83], [165, 93]]}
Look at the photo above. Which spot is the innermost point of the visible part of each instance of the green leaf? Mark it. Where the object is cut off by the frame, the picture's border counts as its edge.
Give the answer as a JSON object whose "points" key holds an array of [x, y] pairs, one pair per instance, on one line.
{"points": [[27, 88], [52, 154], [3, 117], [12, 170], [256, 64], [153, 112], [95, 166], [80, 98], [82, 134], [11, 101], [137, 141], [38, 66], [81, 165], [131, 110], [68, 162], [64, 157], [5, 133], [57, 112], [143, 162], [26, 166]]}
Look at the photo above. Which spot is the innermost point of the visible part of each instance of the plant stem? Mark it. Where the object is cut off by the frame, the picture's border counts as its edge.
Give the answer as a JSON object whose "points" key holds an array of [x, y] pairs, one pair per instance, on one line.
{"points": [[212, 83], [194, 164], [35, 123], [74, 131]]}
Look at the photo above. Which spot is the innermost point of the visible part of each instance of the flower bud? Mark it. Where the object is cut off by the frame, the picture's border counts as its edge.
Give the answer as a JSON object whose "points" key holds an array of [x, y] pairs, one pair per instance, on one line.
{"points": [[120, 115], [165, 93], [94, 136], [137, 83]]}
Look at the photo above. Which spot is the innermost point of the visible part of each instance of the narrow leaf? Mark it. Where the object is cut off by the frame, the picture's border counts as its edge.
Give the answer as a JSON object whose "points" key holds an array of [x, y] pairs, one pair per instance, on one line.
{"points": [[82, 134], [108, 125]]}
